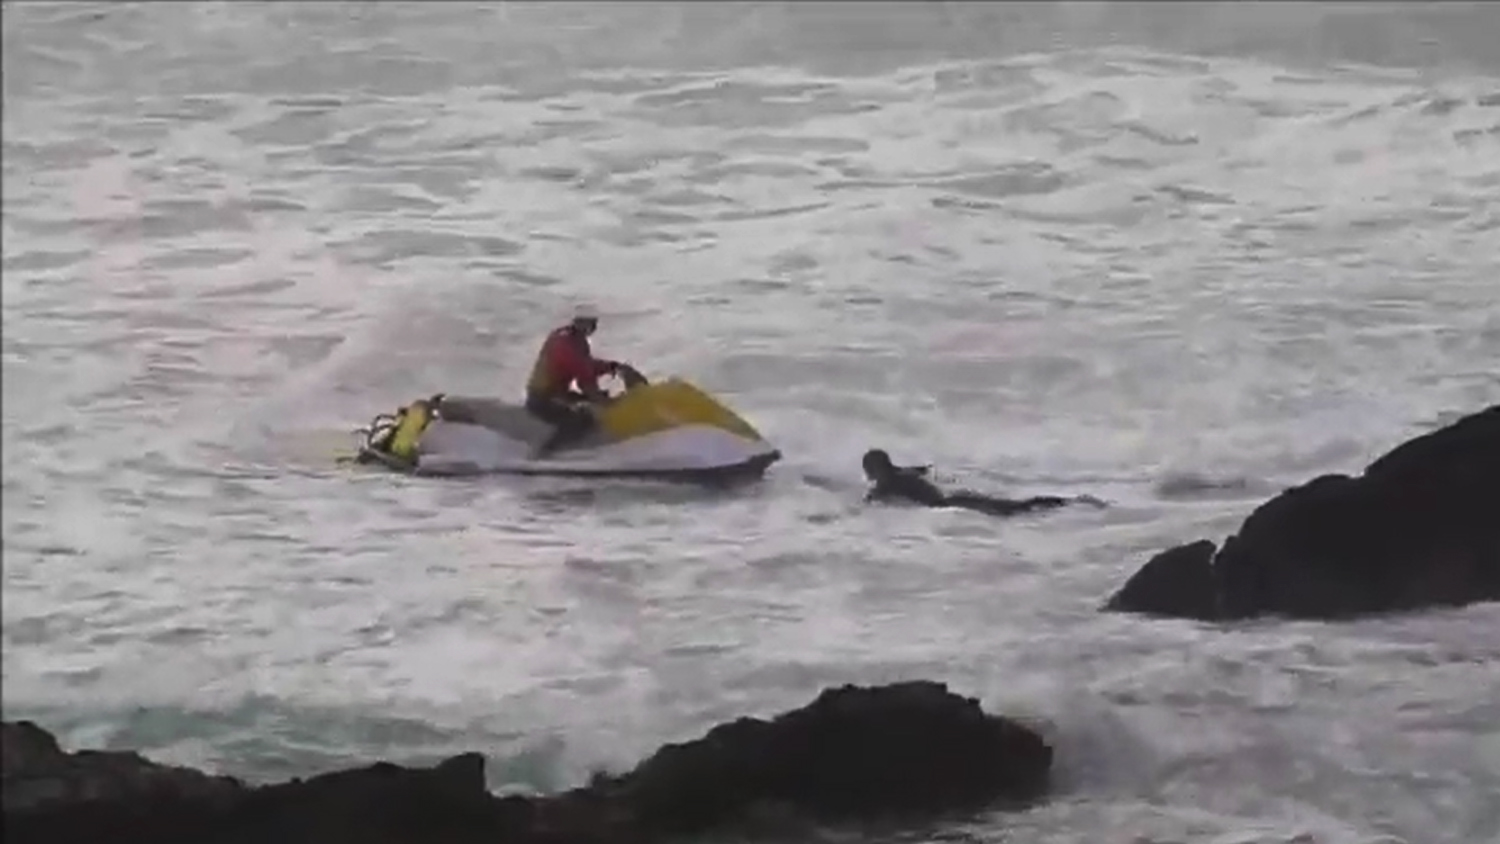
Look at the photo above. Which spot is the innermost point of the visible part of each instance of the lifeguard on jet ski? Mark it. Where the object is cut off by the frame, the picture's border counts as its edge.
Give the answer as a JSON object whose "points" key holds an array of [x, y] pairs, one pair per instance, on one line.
{"points": [[668, 429]]}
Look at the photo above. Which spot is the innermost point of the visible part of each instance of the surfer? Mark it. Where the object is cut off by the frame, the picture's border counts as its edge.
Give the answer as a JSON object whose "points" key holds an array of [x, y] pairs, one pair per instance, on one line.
{"points": [[892, 482], [564, 359]]}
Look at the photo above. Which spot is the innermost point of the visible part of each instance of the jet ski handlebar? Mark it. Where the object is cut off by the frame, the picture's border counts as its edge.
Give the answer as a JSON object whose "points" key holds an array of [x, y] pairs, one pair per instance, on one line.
{"points": [[630, 376]]}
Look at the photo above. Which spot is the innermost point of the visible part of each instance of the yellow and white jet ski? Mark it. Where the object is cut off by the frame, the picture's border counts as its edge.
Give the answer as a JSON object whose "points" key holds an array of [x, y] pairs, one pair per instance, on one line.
{"points": [[669, 430]]}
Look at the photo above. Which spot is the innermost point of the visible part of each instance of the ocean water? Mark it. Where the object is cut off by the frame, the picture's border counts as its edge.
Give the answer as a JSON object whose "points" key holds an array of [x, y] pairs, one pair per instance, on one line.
{"points": [[1175, 256]]}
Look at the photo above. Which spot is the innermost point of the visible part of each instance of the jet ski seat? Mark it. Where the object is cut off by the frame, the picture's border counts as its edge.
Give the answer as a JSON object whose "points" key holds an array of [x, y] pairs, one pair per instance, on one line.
{"points": [[514, 421]]}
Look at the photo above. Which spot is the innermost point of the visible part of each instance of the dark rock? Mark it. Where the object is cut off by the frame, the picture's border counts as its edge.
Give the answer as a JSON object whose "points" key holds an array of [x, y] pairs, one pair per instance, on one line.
{"points": [[903, 751], [1417, 529], [1177, 583], [853, 753], [37, 774]]}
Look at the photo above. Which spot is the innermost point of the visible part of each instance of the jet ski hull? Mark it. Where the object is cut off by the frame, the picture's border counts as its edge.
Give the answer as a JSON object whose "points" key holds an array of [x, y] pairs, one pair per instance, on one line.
{"points": [[669, 431], [691, 452], [747, 470]]}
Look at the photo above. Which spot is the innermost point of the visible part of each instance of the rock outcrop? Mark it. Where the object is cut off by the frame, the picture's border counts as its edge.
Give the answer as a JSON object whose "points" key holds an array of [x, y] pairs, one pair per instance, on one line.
{"points": [[38, 775], [894, 752], [1420, 528]]}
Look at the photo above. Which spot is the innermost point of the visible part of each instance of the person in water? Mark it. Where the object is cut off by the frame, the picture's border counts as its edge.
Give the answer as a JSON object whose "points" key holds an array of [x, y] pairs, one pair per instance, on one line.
{"points": [[565, 359], [892, 482]]}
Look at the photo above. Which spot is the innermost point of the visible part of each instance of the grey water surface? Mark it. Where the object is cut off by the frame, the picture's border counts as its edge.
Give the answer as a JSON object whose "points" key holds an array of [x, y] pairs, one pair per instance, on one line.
{"points": [[1177, 256]]}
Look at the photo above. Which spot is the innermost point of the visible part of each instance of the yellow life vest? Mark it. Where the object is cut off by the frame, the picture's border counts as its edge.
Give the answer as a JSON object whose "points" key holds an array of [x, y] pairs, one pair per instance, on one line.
{"points": [[414, 419]]}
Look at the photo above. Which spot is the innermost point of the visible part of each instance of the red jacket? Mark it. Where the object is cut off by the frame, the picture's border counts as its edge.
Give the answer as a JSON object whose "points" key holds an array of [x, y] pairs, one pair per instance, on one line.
{"points": [[565, 357]]}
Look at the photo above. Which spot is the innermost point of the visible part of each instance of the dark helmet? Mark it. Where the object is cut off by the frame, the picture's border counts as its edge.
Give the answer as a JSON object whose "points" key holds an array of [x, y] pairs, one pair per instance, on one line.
{"points": [[876, 462]]}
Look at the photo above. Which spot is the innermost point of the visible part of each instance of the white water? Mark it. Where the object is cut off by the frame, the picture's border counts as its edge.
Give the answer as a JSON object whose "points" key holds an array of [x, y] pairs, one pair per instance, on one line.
{"points": [[1177, 257]]}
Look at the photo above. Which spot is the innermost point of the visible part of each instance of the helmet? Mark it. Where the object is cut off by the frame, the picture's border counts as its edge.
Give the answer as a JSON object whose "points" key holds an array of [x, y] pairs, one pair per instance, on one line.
{"points": [[585, 319]]}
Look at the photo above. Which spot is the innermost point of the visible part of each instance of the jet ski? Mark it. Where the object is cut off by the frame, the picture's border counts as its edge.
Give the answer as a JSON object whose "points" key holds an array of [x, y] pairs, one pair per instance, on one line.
{"points": [[668, 430]]}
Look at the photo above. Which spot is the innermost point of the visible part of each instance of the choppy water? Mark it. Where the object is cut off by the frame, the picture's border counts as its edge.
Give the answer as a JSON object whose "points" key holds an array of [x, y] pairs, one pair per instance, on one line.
{"points": [[1174, 256]]}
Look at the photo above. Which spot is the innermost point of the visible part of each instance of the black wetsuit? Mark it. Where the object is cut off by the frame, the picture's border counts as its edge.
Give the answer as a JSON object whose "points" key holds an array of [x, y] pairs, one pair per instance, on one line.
{"points": [[907, 483]]}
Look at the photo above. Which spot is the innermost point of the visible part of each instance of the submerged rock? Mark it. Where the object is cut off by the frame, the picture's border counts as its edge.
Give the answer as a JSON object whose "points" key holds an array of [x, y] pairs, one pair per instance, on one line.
{"points": [[898, 751], [1419, 528]]}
